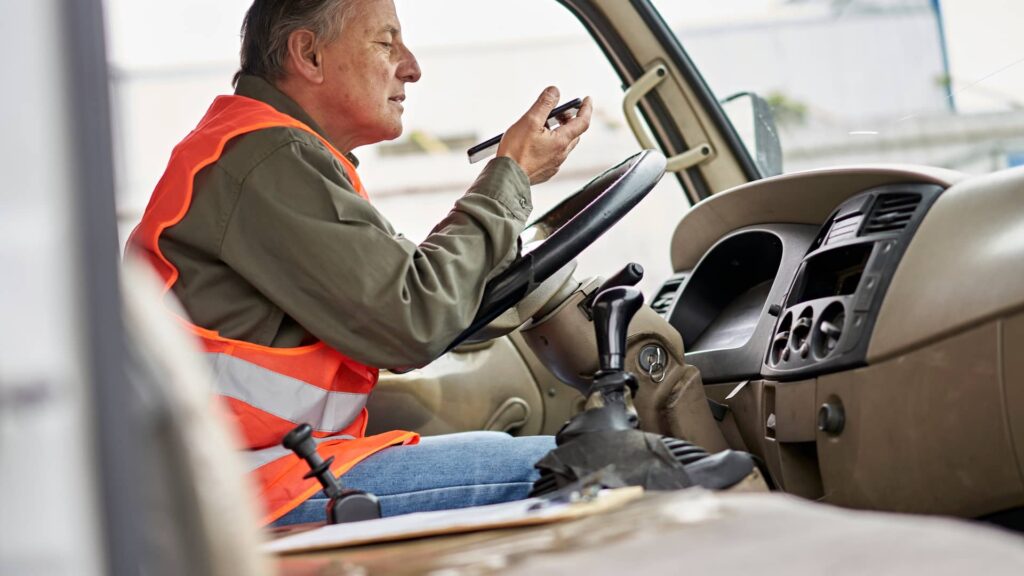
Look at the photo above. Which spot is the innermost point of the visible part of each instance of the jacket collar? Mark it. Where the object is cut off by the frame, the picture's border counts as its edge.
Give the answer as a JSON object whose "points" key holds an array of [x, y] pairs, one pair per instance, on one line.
{"points": [[259, 89]]}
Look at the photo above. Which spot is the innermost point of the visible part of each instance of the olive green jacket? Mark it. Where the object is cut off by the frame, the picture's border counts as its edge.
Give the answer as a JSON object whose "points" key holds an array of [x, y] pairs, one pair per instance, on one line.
{"points": [[278, 249]]}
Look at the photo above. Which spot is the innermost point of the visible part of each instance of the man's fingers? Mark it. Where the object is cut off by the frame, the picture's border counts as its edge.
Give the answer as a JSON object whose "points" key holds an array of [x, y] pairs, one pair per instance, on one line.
{"points": [[540, 151], [572, 145], [546, 102], [564, 117], [572, 129]]}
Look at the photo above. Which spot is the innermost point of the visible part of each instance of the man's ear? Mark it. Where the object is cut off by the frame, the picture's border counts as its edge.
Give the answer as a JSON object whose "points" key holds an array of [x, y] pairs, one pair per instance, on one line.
{"points": [[304, 57]]}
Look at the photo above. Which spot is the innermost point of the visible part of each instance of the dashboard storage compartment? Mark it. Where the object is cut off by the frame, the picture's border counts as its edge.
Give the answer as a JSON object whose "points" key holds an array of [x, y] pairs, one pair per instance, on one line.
{"points": [[726, 294], [722, 308]]}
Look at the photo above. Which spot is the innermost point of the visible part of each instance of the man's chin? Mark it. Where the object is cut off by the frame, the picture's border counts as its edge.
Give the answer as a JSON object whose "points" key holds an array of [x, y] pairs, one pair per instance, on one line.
{"points": [[394, 133], [384, 133]]}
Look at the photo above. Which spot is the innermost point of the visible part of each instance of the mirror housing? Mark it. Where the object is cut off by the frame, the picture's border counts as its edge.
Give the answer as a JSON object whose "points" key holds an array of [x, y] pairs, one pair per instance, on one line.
{"points": [[754, 122]]}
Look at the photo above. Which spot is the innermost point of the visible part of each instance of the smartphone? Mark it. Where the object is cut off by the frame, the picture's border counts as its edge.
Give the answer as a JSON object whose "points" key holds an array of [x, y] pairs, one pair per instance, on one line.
{"points": [[489, 147]]}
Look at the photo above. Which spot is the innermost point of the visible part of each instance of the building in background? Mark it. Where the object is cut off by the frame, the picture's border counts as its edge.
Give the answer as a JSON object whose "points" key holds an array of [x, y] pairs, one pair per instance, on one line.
{"points": [[855, 81]]}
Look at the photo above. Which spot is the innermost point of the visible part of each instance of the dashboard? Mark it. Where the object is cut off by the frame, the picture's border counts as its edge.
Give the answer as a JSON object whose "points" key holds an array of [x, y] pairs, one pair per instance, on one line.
{"points": [[792, 301], [862, 331]]}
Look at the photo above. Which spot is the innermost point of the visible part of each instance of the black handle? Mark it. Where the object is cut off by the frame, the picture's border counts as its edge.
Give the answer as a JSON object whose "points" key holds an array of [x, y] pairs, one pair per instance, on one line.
{"points": [[300, 440], [614, 308], [630, 275]]}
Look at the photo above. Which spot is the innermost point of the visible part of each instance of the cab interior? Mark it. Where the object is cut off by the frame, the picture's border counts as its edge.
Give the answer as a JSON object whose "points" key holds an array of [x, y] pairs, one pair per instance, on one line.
{"points": [[857, 328], [854, 327]]}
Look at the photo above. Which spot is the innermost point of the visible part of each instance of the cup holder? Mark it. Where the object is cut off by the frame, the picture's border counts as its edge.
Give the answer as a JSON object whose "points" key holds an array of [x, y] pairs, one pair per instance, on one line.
{"points": [[829, 330]]}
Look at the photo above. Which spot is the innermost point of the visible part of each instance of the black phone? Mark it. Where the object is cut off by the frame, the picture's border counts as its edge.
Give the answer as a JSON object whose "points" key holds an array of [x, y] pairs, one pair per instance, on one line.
{"points": [[489, 147]]}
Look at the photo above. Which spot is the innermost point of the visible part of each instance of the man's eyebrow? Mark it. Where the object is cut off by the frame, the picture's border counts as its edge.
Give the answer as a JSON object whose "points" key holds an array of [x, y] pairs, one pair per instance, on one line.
{"points": [[390, 29]]}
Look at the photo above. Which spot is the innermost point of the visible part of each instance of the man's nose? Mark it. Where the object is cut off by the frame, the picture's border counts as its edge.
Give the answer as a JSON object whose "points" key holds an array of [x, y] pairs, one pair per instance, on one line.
{"points": [[409, 70]]}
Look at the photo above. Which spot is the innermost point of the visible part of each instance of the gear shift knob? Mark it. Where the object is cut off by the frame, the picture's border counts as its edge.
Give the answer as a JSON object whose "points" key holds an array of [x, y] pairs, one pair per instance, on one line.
{"points": [[614, 308]]}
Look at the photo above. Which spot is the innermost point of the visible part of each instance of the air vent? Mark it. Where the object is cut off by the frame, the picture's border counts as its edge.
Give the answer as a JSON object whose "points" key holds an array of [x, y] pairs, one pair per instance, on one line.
{"points": [[663, 301], [830, 330], [891, 212], [843, 229]]}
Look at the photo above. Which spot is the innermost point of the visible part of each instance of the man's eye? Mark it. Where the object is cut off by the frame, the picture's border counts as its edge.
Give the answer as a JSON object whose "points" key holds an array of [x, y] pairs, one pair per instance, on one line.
{"points": [[385, 44]]}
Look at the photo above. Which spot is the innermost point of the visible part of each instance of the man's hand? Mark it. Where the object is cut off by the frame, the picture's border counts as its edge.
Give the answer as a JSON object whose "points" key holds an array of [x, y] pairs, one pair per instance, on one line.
{"points": [[539, 151]]}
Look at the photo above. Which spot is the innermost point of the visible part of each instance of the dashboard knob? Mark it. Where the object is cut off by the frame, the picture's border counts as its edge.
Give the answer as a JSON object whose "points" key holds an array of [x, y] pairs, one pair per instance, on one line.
{"points": [[831, 418]]}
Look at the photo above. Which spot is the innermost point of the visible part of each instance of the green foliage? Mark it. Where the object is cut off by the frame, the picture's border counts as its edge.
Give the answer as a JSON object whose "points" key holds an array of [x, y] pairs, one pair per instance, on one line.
{"points": [[787, 111]]}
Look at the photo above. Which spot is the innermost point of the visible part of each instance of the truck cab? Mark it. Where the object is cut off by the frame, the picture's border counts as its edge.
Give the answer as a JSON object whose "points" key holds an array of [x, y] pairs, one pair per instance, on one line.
{"points": [[832, 265]]}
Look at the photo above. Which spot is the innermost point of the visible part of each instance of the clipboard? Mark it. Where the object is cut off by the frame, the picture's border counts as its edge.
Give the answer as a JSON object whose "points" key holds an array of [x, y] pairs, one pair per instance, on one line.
{"points": [[530, 512]]}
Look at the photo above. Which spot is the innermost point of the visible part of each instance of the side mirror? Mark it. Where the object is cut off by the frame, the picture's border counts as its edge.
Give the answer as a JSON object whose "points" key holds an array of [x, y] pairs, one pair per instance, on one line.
{"points": [[753, 120]]}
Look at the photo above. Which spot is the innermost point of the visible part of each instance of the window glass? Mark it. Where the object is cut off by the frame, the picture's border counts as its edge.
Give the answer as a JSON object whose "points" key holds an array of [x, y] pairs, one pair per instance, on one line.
{"points": [[855, 81], [484, 63]]}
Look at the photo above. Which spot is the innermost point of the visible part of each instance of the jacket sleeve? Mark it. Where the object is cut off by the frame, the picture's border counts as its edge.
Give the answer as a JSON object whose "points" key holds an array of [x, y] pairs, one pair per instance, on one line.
{"points": [[302, 236]]}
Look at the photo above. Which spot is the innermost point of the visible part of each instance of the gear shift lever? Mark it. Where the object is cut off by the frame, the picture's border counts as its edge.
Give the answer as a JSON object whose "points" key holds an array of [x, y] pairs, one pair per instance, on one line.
{"points": [[614, 308], [610, 399], [345, 505], [604, 437]]}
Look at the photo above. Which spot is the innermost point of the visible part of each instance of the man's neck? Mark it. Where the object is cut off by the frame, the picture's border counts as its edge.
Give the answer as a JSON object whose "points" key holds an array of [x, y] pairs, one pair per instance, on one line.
{"points": [[307, 100], [260, 89]]}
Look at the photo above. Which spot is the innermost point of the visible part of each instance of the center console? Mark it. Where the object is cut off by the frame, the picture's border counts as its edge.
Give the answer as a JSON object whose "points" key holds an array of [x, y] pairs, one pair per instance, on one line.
{"points": [[828, 313]]}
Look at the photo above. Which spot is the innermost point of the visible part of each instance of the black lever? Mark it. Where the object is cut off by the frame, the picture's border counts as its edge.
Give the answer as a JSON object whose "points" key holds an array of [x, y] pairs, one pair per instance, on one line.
{"points": [[345, 504], [609, 404], [614, 308], [605, 437], [300, 441], [630, 275]]}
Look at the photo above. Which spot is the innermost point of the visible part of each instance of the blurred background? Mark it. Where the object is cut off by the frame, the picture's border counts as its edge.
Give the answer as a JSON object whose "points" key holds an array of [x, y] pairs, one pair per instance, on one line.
{"points": [[850, 81]]}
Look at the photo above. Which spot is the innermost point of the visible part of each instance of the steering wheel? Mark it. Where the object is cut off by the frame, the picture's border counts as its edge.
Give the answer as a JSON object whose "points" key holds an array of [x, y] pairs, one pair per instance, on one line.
{"points": [[566, 230]]}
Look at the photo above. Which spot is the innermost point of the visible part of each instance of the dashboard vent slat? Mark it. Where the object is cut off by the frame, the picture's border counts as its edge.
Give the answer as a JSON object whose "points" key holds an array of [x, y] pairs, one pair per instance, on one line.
{"points": [[891, 213], [843, 229], [666, 294]]}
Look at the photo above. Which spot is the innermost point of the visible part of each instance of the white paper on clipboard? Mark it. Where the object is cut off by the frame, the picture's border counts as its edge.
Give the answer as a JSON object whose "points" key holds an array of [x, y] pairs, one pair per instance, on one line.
{"points": [[510, 514]]}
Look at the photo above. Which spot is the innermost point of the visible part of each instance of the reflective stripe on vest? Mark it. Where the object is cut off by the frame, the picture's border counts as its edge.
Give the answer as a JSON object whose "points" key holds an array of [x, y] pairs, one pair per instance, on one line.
{"points": [[285, 397], [268, 391]]}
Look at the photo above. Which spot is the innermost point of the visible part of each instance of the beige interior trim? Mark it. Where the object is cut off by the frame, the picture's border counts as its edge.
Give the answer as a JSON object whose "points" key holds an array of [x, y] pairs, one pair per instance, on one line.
{"points": [[964, 266], [654, 75], [1011, 343], [925, 432], [720, 171], [472, 388], [797, 198]]}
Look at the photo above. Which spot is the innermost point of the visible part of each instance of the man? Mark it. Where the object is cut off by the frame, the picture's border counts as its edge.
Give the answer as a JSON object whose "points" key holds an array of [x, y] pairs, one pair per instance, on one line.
{"points": [[299, 289]]}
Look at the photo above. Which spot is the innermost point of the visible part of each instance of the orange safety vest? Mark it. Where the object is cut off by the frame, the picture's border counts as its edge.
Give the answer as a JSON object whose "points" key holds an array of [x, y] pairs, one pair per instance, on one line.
{"points": [[268, 390]]}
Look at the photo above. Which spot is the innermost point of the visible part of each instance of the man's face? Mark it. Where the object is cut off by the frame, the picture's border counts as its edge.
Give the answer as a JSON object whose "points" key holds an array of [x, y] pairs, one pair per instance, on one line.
{"points": [[365, 72]]}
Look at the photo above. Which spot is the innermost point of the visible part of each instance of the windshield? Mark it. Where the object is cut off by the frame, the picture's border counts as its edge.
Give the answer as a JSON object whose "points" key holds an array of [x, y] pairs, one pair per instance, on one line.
{"points": [[936, 82]]}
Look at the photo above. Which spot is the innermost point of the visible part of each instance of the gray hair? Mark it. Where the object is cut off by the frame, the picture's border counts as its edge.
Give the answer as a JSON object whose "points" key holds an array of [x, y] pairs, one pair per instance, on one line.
{"points": [[269, 23]]}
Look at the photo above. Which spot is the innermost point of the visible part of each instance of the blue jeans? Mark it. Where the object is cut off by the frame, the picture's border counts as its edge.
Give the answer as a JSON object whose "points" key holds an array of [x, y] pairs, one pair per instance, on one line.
{"points": [[440, 473]]}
